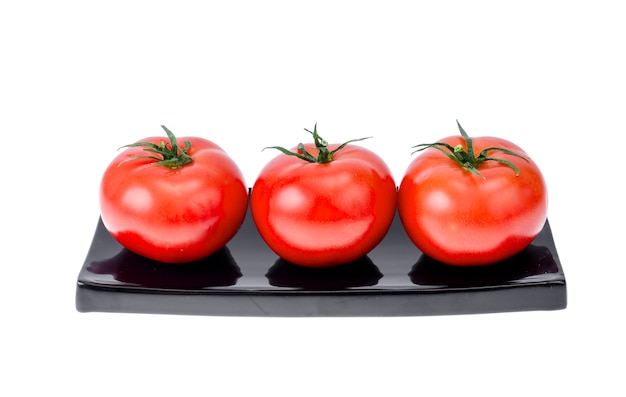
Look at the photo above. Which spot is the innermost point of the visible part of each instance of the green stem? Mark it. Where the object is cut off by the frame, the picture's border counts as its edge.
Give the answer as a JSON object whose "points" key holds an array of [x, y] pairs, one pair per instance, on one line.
{"points": [[468, 159], [324, 155], [171, 155]]}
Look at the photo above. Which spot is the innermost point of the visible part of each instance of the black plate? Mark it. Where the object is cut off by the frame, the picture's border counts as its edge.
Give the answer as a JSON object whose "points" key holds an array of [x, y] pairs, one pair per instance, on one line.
{"points": [[246, 278]]}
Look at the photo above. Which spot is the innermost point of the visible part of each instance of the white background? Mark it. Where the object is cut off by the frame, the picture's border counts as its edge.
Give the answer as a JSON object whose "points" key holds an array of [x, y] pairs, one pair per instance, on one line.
{"points": [[79, 79]]}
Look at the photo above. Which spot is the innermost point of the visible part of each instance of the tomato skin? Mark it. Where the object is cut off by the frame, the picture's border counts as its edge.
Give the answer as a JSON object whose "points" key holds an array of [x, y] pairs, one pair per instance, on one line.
{"points": [[319, 215], [459, 218], [173, 215]]}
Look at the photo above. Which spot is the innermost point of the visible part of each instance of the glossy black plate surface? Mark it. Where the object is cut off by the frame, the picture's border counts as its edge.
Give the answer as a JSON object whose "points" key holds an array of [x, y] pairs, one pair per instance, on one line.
{"points": [[246, 278]]}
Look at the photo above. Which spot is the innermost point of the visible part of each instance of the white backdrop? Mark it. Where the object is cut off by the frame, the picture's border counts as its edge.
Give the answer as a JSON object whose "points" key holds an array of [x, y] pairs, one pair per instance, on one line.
{"points": [[79, 79]]}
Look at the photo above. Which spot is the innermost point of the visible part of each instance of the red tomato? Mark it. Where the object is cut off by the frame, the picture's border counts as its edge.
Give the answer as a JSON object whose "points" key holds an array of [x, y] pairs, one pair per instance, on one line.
{"points": [[319, 214], [466, 217], [173, 212]]}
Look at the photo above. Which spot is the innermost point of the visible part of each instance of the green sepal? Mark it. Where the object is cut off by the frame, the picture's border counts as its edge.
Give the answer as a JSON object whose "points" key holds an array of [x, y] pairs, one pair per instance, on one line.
{"points": [[324, 156], [172, 157], [467, 159]]}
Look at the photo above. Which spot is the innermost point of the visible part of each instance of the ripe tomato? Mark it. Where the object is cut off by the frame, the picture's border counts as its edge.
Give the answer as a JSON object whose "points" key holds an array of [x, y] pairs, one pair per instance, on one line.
{"points": [[463, 209], [321, 205], [173, 203]]}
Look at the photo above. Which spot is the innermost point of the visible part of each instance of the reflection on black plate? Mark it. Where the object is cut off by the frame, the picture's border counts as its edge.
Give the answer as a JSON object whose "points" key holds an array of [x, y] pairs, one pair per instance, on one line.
{"points": [[246, 278], [534, 261], [360, 273], [127, 267]]}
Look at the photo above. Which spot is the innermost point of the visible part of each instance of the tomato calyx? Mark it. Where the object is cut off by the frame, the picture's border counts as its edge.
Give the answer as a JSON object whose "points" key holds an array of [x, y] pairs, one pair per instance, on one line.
{"points": [[172, 155], [467, 159], [324, 155]]}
